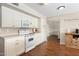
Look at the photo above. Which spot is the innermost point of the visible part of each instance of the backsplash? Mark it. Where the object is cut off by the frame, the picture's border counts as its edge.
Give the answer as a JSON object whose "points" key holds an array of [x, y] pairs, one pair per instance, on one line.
{"points": [[13, 31], [8, 31]]}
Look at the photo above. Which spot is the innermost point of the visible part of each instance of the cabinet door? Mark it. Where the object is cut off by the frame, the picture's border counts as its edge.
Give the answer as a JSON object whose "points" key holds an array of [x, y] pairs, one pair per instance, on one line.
{"points": [[20, 45], [17, 18], [10, 47], [24, 21], [35, 23], [11, 18], [37, 39], [30, 22], [7, 17]]}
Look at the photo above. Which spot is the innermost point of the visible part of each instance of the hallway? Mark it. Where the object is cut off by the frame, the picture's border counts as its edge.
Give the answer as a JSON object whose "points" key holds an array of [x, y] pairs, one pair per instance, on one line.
{"points": [[52, 48]]}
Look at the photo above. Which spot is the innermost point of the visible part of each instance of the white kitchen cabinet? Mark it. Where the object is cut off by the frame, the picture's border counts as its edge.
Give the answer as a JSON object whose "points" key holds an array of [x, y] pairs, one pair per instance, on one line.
{"points": [[10, 46], [17, 19], [36, 23], [7, 17], [10, 17], [14, 45], [24, 21], [13, 18], [20, 45], [33, 22], [37, 39], [27, 21]]}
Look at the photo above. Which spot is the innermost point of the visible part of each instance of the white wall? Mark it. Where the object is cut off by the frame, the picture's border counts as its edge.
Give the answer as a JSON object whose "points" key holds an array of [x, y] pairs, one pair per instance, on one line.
{"points": [[44, 29]]}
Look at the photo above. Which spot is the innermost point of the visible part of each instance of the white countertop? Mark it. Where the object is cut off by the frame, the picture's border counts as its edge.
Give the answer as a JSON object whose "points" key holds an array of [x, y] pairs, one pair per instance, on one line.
{"points": [[9, 35]]}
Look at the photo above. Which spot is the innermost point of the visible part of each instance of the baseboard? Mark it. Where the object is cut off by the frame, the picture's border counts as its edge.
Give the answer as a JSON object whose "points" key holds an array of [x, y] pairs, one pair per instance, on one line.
{"points": [[27, 50], [62, 43], [40, 43], [21, 54]]}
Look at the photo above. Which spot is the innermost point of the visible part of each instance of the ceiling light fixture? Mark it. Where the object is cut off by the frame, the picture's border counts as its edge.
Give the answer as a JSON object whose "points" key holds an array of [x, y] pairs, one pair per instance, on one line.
{"points": [[60, 7], [43, 3]]}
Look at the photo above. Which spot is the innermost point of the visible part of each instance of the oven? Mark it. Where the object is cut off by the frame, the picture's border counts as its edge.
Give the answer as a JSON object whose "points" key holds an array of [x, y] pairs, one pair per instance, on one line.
{"points": [[30, 42], [29, 39]]}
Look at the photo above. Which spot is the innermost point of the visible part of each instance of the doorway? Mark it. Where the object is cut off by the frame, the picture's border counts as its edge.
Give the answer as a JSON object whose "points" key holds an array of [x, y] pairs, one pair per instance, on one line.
{"points": [[54, 31]]}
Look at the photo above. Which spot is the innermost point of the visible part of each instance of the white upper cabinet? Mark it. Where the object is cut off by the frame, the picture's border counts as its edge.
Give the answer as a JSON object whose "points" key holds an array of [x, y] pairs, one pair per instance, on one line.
{"points": [[17, 19], [36, 25], [10, 17], [7, 17], [31, 22], [24, 21], [13, 18]]}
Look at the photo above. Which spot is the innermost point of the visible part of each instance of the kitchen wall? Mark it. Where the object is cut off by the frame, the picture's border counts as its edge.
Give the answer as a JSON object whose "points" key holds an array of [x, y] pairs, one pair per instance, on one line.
{"points": [[44, 29]]}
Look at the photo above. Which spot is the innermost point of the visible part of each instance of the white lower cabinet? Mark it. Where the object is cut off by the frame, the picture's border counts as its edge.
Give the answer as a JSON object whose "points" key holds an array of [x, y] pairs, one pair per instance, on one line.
{"points": [[37, 39], [14, 46], [10, 47], [20, 45]]}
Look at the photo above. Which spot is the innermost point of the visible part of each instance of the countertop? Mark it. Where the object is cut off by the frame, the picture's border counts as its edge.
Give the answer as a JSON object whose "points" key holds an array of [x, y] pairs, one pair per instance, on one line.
{"points": [[15, 34], [71, 33], [9, 35]]}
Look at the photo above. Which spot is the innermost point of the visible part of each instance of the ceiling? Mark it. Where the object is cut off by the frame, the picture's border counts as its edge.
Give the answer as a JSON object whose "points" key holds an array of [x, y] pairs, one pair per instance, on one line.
{"points": [[51, 9]]}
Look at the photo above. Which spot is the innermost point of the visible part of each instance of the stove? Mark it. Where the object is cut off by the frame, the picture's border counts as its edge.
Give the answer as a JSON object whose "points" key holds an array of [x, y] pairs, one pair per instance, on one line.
{"points": [[29, 39], [30, 42]]}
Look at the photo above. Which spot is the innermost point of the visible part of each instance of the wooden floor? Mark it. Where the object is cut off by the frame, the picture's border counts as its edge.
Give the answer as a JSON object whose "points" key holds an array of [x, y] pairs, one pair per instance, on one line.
{"points": [[52, 48]]}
